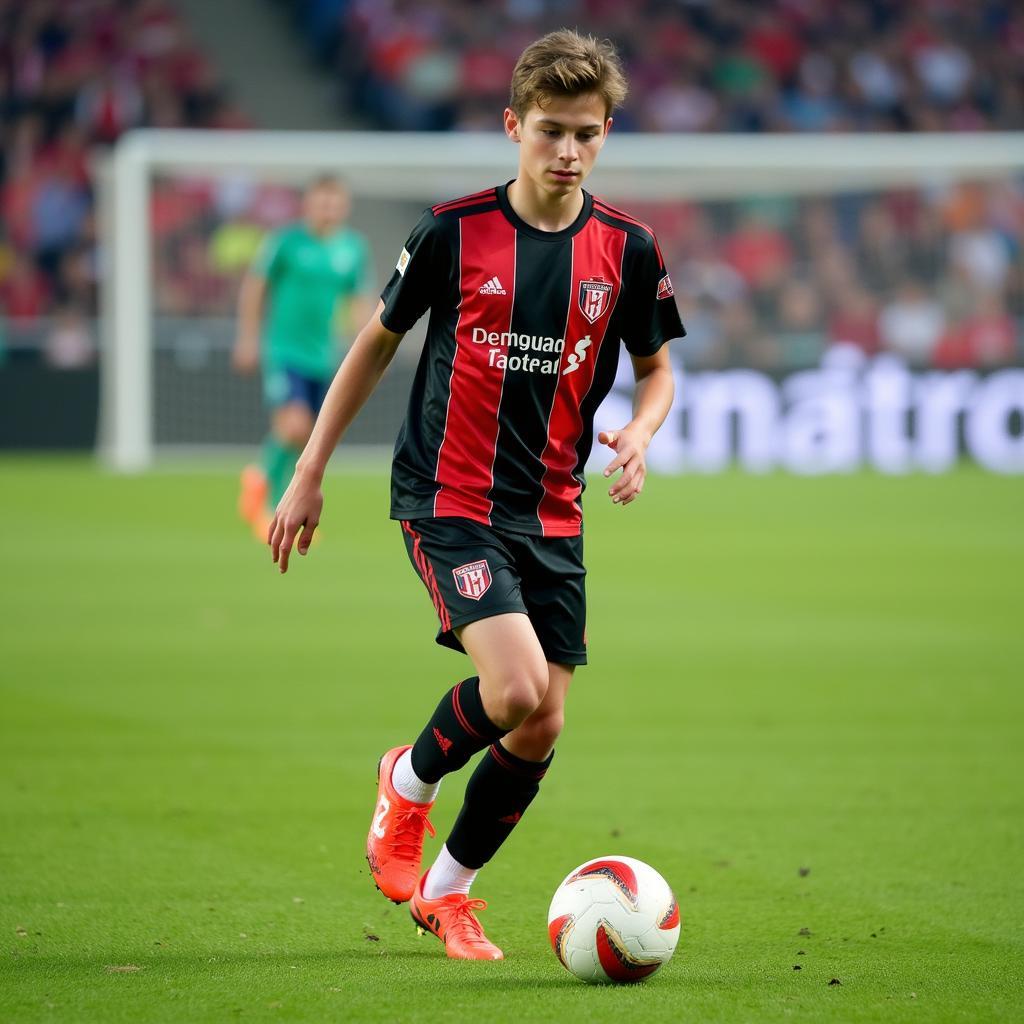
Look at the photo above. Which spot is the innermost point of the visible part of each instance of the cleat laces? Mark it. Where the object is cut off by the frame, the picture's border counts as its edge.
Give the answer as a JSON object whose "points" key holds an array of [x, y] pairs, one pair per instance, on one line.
{"points": [[409, 823], [464, 919]]}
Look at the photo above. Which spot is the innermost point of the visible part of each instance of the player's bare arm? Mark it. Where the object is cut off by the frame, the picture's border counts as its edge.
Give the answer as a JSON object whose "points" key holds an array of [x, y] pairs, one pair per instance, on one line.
{"points": [[245, 356], [362, 369], [651, 403]]}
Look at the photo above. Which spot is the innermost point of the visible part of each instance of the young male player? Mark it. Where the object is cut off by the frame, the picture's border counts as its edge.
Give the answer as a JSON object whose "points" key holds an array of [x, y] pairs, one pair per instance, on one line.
{"points": [[530, 288], [288, 309]]}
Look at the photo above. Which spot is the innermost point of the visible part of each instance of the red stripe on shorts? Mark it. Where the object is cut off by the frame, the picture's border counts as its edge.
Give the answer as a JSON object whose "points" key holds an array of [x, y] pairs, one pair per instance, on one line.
{"points": [[426, 571]]}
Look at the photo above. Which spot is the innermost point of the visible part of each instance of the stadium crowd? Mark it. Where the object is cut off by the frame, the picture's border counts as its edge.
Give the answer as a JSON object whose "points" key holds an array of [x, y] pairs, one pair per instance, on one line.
{"points": [[934, 274], [74, 75], [693, 65]]}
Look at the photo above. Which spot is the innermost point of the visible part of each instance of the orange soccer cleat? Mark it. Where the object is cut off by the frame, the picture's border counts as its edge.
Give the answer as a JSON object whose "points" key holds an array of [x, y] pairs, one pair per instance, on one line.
{"points": [[252, 496], [394, 846], [452, 920]]}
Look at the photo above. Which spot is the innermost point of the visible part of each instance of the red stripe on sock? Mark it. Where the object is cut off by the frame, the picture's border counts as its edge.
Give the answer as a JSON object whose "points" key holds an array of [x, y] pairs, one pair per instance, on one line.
{"points": [[502, 758], [460, 714]]}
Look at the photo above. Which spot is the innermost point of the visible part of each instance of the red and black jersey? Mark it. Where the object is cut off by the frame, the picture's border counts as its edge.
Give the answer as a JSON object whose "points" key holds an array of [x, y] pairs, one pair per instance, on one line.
{"points": [[521, 348]]}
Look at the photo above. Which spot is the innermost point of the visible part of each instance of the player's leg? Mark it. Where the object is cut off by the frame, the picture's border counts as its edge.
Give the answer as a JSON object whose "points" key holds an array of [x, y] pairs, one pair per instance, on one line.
{"points": [[501, 788], [293, 401], [291, 423], [508, 776], [517, 685], [472, 715], [471, 579]]}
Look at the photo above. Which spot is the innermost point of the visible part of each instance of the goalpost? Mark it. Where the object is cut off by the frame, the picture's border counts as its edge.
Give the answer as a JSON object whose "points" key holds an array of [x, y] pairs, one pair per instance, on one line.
{"points": [[392, 176]]}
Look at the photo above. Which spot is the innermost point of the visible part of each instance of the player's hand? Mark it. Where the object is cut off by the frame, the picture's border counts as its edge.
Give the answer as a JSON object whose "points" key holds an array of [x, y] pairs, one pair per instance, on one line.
{"points": [[299, 509], [630, 447], [245, 357]]}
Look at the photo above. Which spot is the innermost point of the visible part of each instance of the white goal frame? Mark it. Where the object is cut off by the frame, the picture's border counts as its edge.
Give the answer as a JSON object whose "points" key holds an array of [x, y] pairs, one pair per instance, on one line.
{"points": [[411, 165]]}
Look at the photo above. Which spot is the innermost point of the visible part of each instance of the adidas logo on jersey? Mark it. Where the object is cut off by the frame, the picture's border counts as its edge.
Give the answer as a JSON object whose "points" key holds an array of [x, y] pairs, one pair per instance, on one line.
{"points": [[492, 287]]}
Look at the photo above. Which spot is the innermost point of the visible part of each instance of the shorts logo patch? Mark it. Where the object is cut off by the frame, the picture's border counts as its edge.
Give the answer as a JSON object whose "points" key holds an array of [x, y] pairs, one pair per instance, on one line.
{"points": [[473, 579], [593, 297]]}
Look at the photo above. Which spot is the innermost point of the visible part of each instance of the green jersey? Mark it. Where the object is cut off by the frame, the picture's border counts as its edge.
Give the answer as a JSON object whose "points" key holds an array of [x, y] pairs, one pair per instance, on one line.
{"points": [[306, 276]]}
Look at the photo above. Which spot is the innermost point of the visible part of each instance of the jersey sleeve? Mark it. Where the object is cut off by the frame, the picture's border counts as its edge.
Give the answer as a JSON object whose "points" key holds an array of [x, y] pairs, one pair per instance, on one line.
{"points": [[420, 276], [652, 317]]}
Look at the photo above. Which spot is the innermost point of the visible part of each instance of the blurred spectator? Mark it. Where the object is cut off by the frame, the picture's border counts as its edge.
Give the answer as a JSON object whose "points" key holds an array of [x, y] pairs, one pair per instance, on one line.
{"points": [[911, 324], [75, 74], [763, 282], [800, 337], [76, 279], [69, 344], [25, 292], [60, 210], [745, 341], [983, 255], [109, 105], [681, 104], [704, 347], [731, 65], [759, 251], [855, 320], [987, 338]]}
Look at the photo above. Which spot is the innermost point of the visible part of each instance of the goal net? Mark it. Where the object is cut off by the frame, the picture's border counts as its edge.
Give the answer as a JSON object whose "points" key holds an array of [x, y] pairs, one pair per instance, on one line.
{"points": [[850, 300]]}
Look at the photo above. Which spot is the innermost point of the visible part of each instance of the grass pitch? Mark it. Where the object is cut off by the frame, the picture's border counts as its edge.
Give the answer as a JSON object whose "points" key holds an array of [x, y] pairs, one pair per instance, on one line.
{"points": [[804, 707]]}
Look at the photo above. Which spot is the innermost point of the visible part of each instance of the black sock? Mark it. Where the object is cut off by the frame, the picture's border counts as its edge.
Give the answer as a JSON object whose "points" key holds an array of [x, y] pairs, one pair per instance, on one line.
{"points": [[458, 728], [497, 796]]}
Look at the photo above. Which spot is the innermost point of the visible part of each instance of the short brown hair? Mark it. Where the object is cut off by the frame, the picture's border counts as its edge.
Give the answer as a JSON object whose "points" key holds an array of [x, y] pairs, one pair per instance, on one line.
{"points": [[564, 63]]}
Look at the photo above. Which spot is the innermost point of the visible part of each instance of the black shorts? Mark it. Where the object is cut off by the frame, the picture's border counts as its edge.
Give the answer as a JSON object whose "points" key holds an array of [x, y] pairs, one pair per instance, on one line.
{"points": [[472, 572]]}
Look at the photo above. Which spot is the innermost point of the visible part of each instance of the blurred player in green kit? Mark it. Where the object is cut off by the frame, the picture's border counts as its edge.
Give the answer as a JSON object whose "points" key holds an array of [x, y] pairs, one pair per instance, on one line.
{"points": [[307, 280]]}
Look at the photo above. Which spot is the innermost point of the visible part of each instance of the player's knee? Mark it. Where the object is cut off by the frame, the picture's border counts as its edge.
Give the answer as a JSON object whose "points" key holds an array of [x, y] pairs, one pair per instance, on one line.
{"points": [[537, 736], [518, 696], [293, 427]]}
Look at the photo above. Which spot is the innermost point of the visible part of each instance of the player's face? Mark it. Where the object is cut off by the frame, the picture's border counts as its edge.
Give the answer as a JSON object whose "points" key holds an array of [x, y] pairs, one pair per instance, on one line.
{"points": [[325, 207], [560, 141]]}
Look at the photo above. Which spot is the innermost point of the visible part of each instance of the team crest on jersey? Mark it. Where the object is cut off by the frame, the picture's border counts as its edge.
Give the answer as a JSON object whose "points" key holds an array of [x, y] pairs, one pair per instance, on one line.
{"points": [[473, 579], [594, 295], [665, 287]]}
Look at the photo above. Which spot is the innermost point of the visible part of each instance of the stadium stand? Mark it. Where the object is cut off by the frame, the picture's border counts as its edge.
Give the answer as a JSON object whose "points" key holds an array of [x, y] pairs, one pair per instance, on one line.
{"points": [[74, 75], [933, 274], [731, 65]]}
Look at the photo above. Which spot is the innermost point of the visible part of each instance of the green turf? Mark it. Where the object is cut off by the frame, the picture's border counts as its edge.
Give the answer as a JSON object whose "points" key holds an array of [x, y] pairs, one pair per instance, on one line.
{"points": [[786, 674]]}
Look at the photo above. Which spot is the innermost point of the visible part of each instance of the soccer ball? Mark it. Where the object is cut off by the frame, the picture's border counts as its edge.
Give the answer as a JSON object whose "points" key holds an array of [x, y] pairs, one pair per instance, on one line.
{"points": [[613, 919]]}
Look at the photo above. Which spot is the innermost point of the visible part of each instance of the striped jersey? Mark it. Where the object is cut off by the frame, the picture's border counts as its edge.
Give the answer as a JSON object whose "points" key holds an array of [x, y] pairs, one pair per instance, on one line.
{"points": [[522, 346]]}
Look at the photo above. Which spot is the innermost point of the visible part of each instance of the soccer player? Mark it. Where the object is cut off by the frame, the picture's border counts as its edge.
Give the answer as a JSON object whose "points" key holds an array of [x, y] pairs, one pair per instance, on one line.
{"points": [[303, 277], [530, 287]]}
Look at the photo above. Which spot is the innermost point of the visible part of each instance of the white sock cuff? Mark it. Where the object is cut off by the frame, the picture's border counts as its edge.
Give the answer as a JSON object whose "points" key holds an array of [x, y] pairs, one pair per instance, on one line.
{"points": [[447, 875], [408, 784]]}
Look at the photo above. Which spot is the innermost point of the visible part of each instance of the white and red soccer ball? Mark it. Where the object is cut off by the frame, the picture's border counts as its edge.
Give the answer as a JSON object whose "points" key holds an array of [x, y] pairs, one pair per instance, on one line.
{"points": [[613, 919]]}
